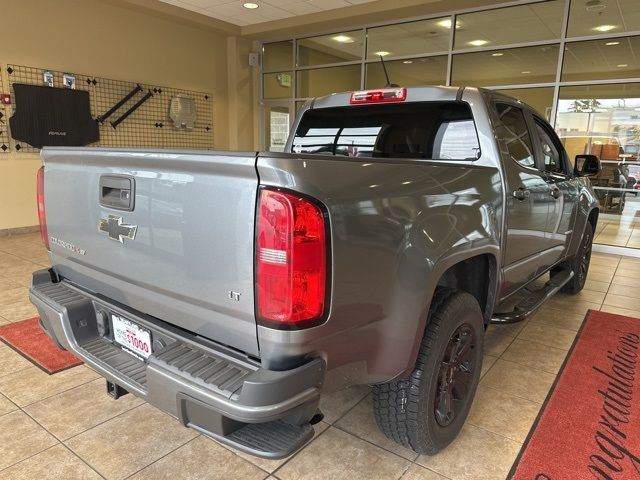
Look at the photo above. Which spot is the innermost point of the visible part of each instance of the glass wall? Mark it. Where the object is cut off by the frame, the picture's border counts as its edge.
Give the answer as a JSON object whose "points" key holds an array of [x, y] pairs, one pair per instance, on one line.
{"points": [[604, 120], [506, 26], [513, 66], [412, 38], [575, 61], [335, 48], [603, 17], [408, 73]]}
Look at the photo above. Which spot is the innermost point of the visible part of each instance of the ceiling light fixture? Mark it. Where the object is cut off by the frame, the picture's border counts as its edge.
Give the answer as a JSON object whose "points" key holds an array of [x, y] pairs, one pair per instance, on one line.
{"points": [[382, 53], [497, 54], [595, 6], [478, 43], [407, 62], [605, 28], [623, 65], [608, 44], [447, 23], [526, 72], [342, 39], [250, 6]]}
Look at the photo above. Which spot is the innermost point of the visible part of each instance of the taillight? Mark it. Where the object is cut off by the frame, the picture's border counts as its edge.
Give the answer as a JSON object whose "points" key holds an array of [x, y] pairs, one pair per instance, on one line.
{"points": [[291, 261], [379, 96], [41, 214]]}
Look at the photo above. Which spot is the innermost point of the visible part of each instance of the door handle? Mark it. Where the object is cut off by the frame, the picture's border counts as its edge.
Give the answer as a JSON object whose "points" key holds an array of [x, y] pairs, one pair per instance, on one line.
{"points": [[555, 193], [521, 194], [117, 192]]}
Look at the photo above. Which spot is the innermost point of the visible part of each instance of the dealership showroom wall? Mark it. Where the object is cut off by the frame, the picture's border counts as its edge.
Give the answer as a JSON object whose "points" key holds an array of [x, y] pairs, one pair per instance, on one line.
{"points": [[320, 239]]}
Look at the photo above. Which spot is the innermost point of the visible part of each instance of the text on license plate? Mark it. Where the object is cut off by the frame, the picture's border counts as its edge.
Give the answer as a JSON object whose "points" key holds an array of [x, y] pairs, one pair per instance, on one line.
{"points": [[131, 336]]}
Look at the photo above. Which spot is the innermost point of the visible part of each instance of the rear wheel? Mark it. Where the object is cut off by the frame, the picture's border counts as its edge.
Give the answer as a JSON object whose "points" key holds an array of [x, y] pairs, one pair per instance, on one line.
{"points": [[579, 264], [427, 411]]}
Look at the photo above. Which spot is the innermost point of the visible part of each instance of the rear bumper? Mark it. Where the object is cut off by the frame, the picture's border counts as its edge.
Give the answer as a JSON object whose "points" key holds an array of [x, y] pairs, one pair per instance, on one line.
{"points": [[213, 390]]}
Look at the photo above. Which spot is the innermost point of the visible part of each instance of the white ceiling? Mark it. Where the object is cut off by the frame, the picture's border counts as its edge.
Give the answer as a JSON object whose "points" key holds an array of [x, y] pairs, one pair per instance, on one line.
{"points": [[268, 10]]}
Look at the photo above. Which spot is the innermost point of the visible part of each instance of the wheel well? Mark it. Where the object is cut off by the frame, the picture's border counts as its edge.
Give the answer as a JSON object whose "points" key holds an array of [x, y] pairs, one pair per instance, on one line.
{"points": [[476, 276]]}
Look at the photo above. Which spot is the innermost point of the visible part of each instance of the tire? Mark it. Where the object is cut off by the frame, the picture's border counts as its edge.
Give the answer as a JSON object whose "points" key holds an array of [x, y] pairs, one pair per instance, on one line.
{"points": [[411, 411], [579, 264]]}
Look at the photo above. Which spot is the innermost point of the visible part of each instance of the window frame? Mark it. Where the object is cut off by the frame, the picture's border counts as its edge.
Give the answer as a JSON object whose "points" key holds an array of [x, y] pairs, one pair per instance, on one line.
{"points": [[525, 114], [538, 121]]}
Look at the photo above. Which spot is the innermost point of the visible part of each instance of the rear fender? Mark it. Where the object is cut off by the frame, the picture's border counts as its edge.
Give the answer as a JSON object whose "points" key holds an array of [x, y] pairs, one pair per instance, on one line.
{"points": [[493, 254], [396, 227]]}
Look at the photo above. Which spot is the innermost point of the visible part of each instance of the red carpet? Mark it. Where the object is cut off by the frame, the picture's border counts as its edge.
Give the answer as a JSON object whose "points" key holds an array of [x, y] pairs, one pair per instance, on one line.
{"points": [[589, 427], [28, 339]]}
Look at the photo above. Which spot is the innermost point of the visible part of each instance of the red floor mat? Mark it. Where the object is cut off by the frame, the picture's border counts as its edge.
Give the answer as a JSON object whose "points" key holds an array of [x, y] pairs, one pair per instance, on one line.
{"points": [[589, 426], [27, 338]]}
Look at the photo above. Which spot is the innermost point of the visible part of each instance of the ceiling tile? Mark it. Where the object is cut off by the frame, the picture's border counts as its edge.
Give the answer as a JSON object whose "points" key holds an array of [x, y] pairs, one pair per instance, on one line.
{"points": [[234, 12], [200, 4], [298, 8]]}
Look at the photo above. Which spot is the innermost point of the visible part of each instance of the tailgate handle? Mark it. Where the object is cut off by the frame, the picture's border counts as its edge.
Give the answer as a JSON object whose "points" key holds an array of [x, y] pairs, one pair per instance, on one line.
{"points": [[117, 192]]}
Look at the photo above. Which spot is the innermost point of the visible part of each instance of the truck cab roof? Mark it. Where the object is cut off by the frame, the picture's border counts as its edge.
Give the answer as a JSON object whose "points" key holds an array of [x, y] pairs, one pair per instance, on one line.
{"points": [[414, 94]]}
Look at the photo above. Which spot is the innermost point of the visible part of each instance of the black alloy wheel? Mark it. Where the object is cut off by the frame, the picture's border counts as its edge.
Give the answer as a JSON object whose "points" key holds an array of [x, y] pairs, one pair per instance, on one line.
{"points": [[455, 375], [579, 263], [426, 410], [585, 257]]}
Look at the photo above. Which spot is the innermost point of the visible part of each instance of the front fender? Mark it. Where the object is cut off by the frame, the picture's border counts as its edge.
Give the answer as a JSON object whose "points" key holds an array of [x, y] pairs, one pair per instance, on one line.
{"points": [[586, 204]]}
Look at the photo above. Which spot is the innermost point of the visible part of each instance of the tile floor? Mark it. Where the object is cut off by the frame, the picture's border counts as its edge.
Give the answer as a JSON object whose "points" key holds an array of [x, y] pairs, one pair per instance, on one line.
{"points": [[621, 230], [64, 426]]}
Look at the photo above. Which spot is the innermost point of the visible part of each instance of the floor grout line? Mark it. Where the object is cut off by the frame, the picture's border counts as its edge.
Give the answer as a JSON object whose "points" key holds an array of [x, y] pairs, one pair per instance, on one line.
{"points": [[54, 394], [610, 283], [342, 429], [58, 440], [166, 454], [105, 421], [83, 460], [300, 451]]}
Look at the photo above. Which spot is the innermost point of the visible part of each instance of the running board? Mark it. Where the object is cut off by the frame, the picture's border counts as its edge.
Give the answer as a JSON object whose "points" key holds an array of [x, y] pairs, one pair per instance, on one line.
{"points": [[534, 300]]}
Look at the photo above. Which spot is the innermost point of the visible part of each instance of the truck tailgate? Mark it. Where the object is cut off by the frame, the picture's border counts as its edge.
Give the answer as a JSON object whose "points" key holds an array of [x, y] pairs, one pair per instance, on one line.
{"points": [[190, 260]]}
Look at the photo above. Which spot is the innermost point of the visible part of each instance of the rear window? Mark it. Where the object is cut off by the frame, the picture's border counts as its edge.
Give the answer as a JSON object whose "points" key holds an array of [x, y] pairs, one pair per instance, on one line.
{"points": [[432, 130]]}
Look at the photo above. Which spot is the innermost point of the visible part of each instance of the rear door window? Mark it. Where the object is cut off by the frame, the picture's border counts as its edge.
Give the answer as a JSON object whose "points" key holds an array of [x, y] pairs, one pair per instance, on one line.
{"points": [[430, 130]]}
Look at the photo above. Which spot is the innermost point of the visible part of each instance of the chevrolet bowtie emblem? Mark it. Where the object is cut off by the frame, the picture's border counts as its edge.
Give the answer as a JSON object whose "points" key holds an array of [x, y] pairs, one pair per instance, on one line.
{"points": [[116, 230]]}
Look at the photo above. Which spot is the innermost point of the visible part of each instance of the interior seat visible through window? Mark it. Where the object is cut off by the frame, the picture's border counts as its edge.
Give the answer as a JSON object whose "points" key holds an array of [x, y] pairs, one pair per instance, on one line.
{"points": [[430, 130]]}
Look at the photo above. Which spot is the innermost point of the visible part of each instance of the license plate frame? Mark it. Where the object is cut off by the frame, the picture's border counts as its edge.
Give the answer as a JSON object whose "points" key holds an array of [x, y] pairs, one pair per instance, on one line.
{"points": [[131, 337]]}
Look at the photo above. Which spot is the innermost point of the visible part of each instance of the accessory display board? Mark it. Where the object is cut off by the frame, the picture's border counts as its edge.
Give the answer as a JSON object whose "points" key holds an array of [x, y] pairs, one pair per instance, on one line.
{"points": [[142, 120]]}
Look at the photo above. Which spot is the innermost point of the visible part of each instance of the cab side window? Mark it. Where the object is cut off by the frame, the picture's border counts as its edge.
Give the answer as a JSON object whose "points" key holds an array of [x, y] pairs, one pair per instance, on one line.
{"points": [[513, 134], [551, 156]]}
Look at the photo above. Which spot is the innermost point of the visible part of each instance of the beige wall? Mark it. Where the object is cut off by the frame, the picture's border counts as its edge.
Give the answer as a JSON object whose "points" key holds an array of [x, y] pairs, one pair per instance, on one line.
{"points": [[112, 39]]}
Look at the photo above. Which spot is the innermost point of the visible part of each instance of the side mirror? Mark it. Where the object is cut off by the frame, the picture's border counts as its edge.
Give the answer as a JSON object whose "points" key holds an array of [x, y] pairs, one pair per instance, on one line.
{"points": [[587, 165]]}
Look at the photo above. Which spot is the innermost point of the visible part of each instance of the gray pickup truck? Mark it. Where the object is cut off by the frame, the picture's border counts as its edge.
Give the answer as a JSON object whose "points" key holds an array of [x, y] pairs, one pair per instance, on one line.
{"points": [[232, 290]]}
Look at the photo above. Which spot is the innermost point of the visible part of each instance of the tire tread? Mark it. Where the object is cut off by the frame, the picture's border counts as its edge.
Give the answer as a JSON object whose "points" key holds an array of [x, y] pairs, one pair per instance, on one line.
{"points": [[397, 405]]}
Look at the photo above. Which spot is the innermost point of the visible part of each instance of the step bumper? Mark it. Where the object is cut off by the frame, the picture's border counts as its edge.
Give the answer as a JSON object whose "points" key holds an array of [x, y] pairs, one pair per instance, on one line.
{"points": [[218, 392]]}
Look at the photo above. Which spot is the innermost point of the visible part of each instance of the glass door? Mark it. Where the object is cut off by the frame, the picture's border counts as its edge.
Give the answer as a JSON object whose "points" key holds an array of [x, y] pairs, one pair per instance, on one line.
{"points": [[604, 120], [278, 118]]}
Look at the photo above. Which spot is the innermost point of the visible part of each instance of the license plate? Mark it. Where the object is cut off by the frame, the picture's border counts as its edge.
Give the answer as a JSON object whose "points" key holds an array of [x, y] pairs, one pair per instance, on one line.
{"points": [[131, 336]]}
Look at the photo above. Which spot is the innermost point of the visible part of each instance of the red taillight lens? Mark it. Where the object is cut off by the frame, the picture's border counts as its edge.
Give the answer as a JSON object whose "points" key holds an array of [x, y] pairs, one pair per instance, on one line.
{"points": [[379, 96], [41, 214], [291, 264]]}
